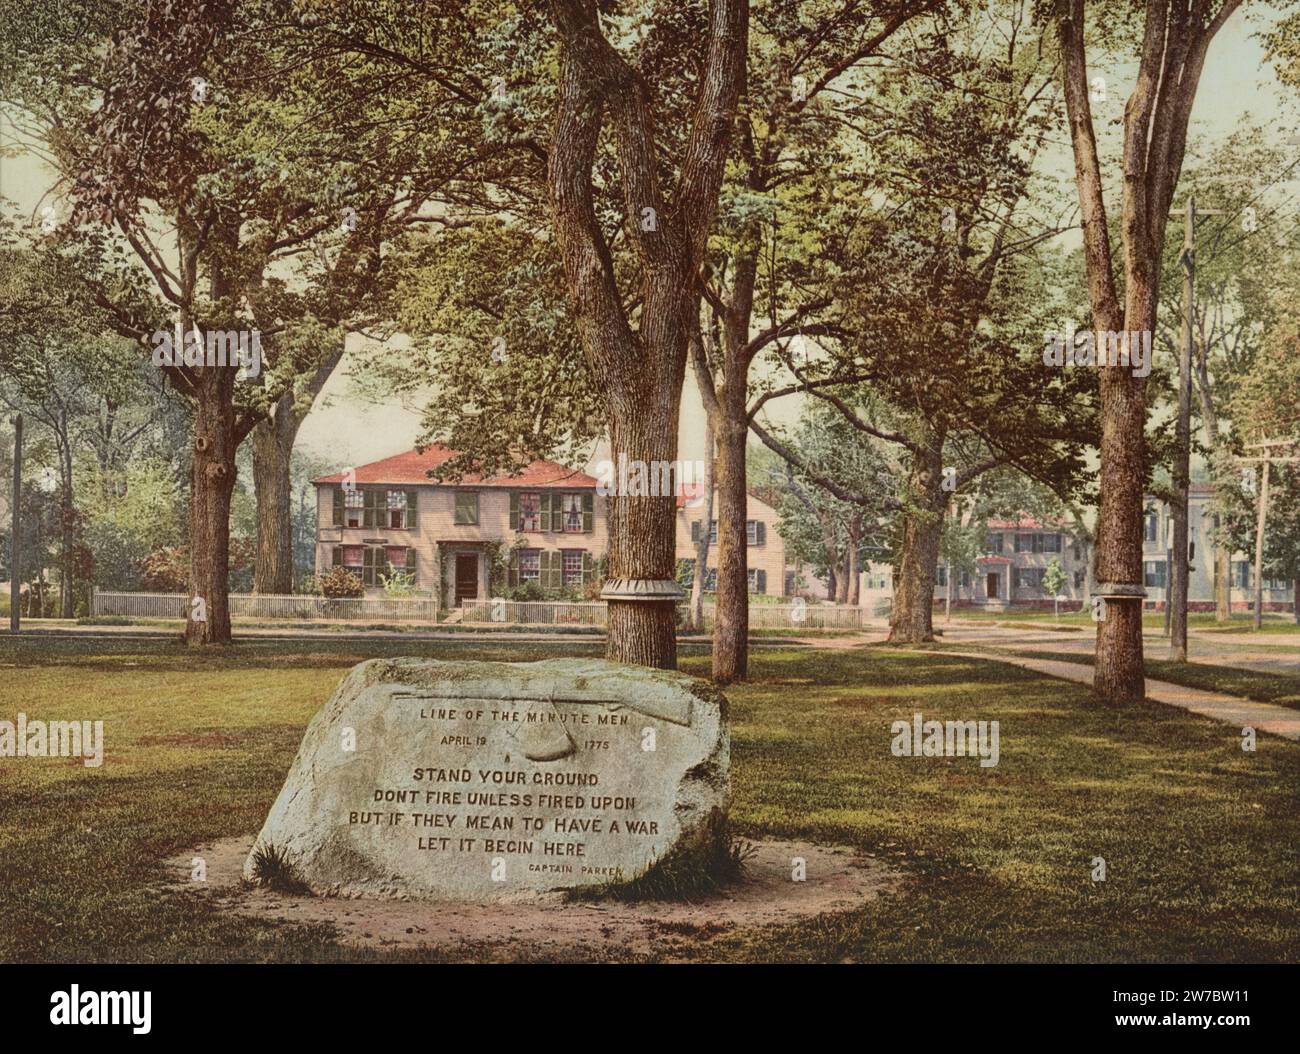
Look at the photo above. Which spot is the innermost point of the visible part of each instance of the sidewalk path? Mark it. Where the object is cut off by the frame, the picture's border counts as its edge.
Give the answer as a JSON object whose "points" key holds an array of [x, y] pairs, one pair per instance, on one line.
{"points": [[1230, 709]]}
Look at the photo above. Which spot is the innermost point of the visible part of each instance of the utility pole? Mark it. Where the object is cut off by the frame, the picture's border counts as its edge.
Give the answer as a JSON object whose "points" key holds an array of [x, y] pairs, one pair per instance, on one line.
{"points": [[1267, 459], [1179, 567], [15, 576]]}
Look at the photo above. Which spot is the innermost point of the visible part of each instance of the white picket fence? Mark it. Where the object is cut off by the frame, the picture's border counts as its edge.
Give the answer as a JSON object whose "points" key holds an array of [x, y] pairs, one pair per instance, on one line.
{"points": [[306, 608], [302, 607], [535, 612], [793, 617]]}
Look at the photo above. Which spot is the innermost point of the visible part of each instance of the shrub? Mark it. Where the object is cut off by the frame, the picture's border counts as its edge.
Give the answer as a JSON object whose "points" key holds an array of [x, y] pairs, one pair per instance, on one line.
{"points": [[166, 570], [339, 582], [397, 584]]}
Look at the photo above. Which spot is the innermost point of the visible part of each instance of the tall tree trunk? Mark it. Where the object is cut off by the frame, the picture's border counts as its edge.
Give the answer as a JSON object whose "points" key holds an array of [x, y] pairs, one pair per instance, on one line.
{"points": [[212, 483], [66, 510], [731, 625], [273, 440], [706, 530], [855, 560], [642, 535], [911, 621], [1172, 55], [1118, 673], [843, 577], [642, 370]]}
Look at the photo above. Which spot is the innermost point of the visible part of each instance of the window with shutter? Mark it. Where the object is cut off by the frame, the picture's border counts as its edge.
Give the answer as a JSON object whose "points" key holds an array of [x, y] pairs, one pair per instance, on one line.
{"points": [[353, 506], [395, 502], [529, 512], [544, 518], [572, 506], [412, 509], [572, 567], [588, 513], [466, 511], [530, 565], [588, 567]]}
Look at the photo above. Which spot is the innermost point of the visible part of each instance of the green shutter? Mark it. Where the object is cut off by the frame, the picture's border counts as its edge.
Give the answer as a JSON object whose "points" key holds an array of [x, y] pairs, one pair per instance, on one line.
{"points": [[552, 568], [412, 509], [368, 565], [545, 504], [338, 506], [761, 576], [760, 533], [338, 556], [411, 563], [512, 574], [588, 513], [514, 510], [695, 531], [368, 516]]}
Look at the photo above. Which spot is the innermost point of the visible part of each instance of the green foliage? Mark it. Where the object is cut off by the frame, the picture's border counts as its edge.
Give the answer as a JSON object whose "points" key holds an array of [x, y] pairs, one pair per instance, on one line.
{"points": [[1054, 577], [339, 582], [397, 583]]}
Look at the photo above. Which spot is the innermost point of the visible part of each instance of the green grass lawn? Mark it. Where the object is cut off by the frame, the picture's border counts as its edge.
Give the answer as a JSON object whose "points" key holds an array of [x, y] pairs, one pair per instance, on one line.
{"points": [[1201, 840], [1259, 685], [1240, 622]]}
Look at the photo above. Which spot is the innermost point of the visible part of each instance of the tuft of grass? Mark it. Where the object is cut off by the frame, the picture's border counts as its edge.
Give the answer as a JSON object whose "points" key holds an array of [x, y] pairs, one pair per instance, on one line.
{"points": [[272, 869], [681, 876]]}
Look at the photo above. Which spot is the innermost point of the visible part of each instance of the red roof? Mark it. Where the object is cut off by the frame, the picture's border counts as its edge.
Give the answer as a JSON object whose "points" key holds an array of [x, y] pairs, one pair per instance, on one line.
{"points": [[413, 466]]}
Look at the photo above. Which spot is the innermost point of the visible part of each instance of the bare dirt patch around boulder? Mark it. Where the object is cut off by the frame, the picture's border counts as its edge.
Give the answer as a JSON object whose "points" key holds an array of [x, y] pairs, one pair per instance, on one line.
{"points": [[837, 880]]}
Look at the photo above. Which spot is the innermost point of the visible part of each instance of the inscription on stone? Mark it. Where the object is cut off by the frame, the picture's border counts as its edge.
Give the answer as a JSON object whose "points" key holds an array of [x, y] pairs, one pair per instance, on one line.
{"points": [[491, 781]]}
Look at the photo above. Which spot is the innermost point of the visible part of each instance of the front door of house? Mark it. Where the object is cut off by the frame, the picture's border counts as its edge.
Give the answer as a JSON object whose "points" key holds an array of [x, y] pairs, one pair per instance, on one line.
{"points": [[466, 576], [995, 593]]}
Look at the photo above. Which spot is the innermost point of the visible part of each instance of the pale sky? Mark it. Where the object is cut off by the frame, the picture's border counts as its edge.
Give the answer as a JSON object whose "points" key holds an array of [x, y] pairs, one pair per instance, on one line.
{"points": [[343, 431]]}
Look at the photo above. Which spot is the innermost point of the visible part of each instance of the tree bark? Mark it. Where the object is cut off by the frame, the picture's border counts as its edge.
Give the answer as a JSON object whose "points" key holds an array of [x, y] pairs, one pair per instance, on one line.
{"points": [[911, 621], [273, 438], [642, 536], [212, 482], [731, 625], [66, 511], [855, 560], [641, 371], [1174, 43]]}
